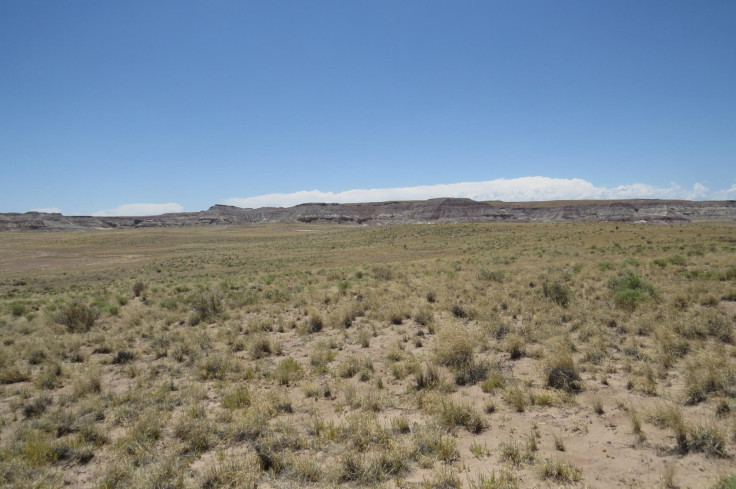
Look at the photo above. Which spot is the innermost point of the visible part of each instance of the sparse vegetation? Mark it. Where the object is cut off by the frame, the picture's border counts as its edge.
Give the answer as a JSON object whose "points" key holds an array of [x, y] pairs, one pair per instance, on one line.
{"points": [[263, 356]]}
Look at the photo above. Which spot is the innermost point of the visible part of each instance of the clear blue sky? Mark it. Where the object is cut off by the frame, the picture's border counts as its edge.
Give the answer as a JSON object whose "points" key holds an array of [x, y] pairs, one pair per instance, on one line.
{"points": [[106, 103]]}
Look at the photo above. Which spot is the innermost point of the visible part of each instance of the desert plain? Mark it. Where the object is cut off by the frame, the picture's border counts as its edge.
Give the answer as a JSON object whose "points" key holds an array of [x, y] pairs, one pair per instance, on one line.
{"points": [[487, 355]]}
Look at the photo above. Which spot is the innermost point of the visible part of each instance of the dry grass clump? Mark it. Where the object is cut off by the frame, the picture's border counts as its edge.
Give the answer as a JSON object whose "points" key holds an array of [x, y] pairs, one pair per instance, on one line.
{"points": [[443, 478], [454, 346], [558, 293], [495, 379], [237, 397], [452, 414], [708, 373], [351, 366], [428, 377], [708, 439], [261, 346], [517, 454], [315, 323], [500, 480], [560, 471], [434, 443], [321, 357], [287, 371], [517, 398], [232, 473], [13, 375], [515, 346]]}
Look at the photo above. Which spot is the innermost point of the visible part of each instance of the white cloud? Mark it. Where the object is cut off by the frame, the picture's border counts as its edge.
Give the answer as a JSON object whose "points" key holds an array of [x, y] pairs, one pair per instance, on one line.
{"points": [[140, 210], [48, 210], [727, 194], [505, 189]]}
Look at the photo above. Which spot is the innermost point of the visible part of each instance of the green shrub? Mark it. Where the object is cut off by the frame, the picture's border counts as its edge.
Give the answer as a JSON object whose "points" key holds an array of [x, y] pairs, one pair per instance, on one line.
{"points": [[726, 482], [630, 290], [18, 309]]}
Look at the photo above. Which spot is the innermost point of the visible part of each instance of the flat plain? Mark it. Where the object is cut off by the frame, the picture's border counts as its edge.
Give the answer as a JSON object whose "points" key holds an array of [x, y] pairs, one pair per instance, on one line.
{"points": [[409, 356]]}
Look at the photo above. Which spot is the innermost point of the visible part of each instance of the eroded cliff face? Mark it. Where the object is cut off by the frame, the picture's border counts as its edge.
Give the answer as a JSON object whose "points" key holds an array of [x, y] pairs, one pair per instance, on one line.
{"points": [[396, 212]]}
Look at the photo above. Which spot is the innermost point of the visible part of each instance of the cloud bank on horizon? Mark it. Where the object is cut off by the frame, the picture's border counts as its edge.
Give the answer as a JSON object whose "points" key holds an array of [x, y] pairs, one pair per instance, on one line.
{"points": [[47, 210], [521, 189]]}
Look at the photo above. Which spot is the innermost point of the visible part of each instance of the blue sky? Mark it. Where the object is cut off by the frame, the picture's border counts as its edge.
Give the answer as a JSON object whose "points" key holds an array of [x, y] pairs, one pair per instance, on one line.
{"points": [[139, 107]]}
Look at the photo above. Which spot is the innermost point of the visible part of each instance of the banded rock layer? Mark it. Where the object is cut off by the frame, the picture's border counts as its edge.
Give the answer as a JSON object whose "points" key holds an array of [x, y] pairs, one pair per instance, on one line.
{"points": [[396, 212]]}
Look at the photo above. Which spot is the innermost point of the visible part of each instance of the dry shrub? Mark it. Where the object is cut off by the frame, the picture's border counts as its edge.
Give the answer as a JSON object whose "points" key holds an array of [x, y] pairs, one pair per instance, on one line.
{"points": [[206, 306], [558, 293], [139, 288], [315, 323], [472, 373], [561, 372], [77, 317]]}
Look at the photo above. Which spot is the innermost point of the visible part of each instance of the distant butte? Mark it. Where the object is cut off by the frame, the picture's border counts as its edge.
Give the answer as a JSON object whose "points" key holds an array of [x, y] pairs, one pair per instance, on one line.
{"points": [[446, 210]]}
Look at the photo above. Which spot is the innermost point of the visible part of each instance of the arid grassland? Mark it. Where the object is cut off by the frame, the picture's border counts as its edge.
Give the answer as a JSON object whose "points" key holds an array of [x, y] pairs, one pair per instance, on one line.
{"points": [[414, 356]]}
